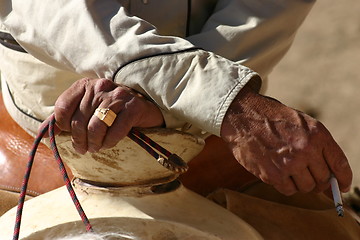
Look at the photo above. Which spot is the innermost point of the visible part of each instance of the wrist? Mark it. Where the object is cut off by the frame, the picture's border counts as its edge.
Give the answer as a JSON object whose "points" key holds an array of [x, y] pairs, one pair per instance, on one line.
{"points": [[235, 116]]}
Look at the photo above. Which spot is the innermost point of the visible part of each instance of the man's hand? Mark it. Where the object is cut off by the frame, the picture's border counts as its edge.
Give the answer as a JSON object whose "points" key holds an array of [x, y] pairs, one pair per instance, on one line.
{"points": [[75, 107], [282, 146]]}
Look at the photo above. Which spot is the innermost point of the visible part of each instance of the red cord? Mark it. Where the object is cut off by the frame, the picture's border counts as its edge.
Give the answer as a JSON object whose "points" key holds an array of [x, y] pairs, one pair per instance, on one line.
{"points": [[69, 187], [66, 177]]}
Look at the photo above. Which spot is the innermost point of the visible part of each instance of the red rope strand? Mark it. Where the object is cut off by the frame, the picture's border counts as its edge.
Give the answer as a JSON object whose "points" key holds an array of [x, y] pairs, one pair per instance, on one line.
{"points": [[26, 181], [66, 178]]}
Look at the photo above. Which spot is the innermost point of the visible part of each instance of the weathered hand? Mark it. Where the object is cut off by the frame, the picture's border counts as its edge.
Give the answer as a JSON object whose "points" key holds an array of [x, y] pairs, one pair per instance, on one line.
{"points": [[282, 146], [75, 107]]}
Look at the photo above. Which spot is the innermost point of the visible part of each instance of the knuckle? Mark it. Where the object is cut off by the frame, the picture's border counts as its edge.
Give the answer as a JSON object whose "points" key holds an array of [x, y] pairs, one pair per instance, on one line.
{"points": [[93, 129], [83, 81], [340, 165], [301, 143], [290, 165], [314, 125], [59, 109], [78, 125], [136, 101], [134, 107], [265, 179], [103, 84], [271, 178], [120, 93], [318, 131]]}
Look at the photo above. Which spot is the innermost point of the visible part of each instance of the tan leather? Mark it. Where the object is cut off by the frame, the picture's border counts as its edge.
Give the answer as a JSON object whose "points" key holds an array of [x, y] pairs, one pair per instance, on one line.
{"points": [[215, 167], [301, 216], [8, 200], [15, 145], [275, 216]]}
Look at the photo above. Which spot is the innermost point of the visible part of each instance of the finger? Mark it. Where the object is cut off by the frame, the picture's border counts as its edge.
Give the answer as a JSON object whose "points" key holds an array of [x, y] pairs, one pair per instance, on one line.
{"points": [[97, 130], [304, 181], [96, 92], [96, 133], [79, 132], [287, 188], [116, 101], [80, 120], [320, 172], [67, 103], [120, 128], [271, 174], [339, 165]]}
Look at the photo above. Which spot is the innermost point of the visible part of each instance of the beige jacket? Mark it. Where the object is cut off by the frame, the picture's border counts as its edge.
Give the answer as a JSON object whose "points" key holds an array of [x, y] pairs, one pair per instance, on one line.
{"points": [[187, 56]]}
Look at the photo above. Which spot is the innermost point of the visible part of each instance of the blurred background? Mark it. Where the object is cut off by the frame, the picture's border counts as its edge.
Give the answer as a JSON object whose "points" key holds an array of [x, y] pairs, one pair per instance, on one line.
{"points": [[320, 74]]}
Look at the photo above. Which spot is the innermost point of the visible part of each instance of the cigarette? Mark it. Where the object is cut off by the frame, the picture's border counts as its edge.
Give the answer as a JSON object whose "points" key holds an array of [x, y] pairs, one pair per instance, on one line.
{"points": [[337, 196]]}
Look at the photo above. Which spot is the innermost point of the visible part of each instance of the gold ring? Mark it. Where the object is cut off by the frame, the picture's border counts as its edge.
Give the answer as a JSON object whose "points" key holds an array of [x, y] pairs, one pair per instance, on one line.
{"points": [[106, 115]]}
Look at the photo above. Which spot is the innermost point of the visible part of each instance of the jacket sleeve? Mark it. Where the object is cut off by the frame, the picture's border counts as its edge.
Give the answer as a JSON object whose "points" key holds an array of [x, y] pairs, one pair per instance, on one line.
{"points": [[99, 39], [255, 33]]}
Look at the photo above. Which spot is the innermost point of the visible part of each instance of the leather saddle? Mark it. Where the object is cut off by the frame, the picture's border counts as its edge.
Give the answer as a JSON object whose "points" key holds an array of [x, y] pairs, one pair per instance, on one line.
{"points": [[15, 145]]}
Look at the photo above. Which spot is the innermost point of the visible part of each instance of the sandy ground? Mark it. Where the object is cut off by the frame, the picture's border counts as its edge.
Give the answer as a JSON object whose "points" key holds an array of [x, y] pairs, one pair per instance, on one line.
{"points": [[320, 73]]}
